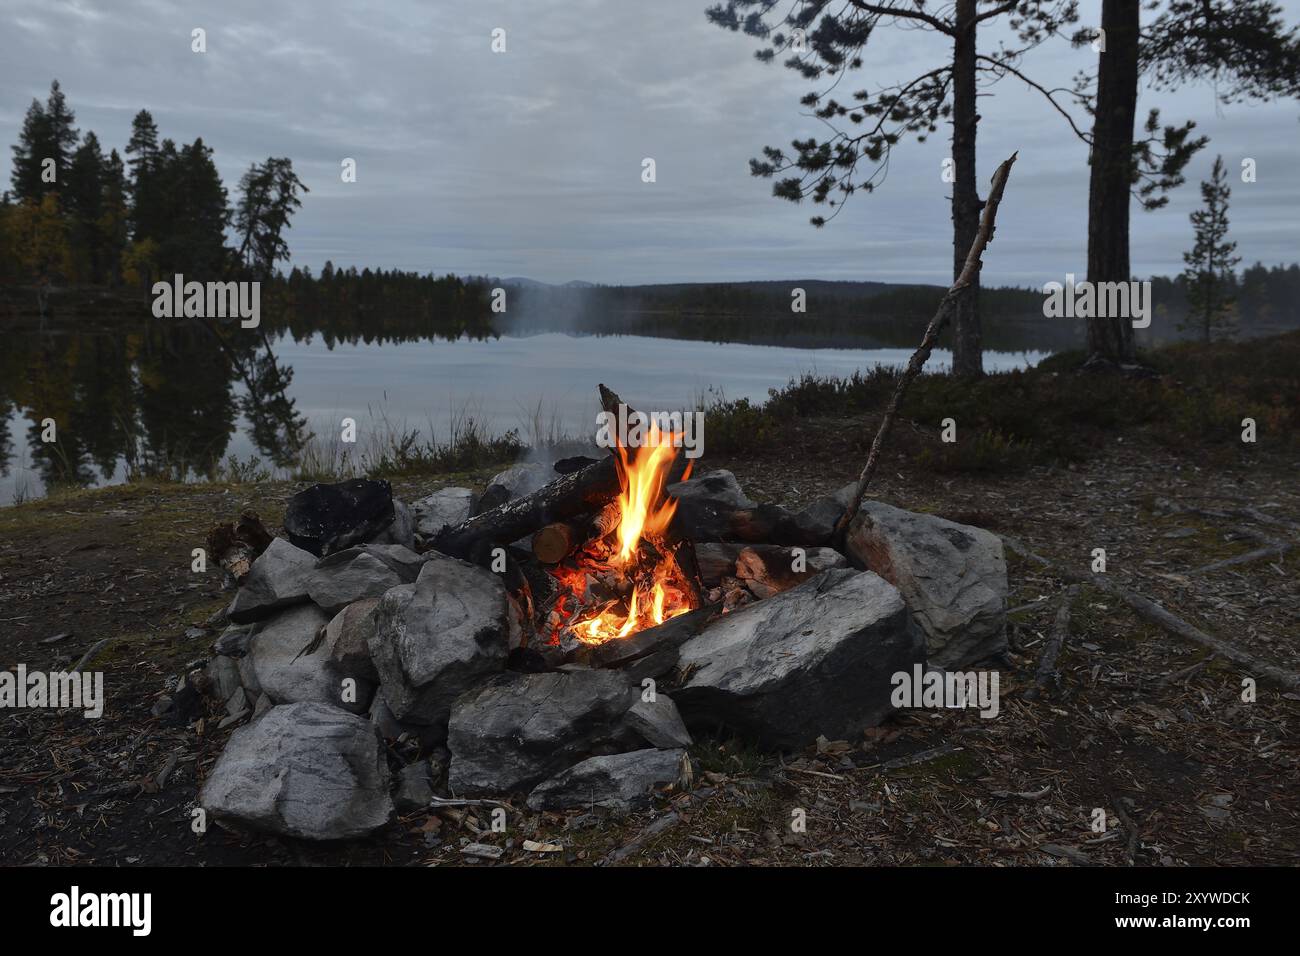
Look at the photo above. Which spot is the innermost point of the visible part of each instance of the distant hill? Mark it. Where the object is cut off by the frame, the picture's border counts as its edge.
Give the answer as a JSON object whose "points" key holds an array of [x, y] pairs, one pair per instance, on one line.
{"points": [[844, 289]]}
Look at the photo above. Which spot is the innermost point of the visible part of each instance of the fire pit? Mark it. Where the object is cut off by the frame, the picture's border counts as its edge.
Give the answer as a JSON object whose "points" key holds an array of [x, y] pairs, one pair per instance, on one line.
{"points": [[562, 636]]}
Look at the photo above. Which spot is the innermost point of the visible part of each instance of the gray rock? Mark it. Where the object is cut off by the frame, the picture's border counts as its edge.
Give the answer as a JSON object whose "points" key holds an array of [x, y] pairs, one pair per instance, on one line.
{"points": [[277, 579], [303, 770], [381, 716], [277, 666], [519, 729], [238, 702], [232, 719], [814, 660], [351, 575], [824, 513], [262, 706], [414, 788], [952, 576], [223, 672], [402, 529], [658, 722], [233, 641], [523, 479], [718, 488], [438, 637], [448, 506], [618, 782], [347, 639]]}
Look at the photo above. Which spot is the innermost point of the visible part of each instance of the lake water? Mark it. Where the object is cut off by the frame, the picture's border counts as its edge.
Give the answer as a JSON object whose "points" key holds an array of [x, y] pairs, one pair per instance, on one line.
{"points": [[184, 407]]}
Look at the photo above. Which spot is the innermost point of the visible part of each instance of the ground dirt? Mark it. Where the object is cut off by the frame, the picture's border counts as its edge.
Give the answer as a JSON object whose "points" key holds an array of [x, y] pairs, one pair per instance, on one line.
{"points": [[1141, 725]]}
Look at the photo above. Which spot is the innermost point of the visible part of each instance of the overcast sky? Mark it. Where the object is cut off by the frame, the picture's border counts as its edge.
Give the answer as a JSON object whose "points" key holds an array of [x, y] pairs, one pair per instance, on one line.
{"points": [[528, 162]]}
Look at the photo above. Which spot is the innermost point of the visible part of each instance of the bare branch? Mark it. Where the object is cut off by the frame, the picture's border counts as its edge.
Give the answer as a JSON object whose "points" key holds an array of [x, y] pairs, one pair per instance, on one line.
{"points": [[1003, 66]]}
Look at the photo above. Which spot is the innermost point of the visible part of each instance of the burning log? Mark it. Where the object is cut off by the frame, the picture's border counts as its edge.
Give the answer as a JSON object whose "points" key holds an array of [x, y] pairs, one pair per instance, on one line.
{"points": [[568, 497], [775, 566], [555, 542], [670, 634]]}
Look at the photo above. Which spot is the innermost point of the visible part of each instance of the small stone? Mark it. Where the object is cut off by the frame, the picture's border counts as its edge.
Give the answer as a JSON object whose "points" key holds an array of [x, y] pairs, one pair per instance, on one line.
{"points": [[414, 789], [658, 722], [482, 851], [231, 719], [238, 702], [348, 576]]}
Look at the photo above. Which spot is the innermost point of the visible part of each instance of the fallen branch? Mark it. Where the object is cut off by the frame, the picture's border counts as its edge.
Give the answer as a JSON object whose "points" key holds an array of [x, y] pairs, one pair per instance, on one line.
{"points": [[1151, 611], [965, 281], [666, 822], [1278, 548], [1060, 631], [90, 655]]}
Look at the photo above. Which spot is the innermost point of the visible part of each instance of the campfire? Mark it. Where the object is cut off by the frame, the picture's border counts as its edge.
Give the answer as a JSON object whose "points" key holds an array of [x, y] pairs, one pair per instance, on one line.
{"points": [[427, 644], [564, 634], [627, 575]]}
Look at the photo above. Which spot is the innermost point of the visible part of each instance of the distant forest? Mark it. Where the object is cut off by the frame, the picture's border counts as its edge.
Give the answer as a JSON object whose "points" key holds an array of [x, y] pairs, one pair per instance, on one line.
{"points": [[90, 232]]}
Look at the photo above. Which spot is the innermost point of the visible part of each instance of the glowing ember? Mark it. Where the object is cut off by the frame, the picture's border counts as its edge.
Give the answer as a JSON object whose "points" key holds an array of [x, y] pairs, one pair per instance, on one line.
{"points": [[613, 590]]}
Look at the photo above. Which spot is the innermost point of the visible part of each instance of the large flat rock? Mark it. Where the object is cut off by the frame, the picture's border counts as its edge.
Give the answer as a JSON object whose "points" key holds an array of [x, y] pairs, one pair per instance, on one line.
{"points": [[520, 729], [437, 638], [303, 770], [814, 660], [952, 576]]}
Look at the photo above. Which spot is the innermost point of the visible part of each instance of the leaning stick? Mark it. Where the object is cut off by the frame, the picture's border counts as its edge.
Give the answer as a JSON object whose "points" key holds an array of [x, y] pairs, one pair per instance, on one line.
{"points": [[968, 277]]}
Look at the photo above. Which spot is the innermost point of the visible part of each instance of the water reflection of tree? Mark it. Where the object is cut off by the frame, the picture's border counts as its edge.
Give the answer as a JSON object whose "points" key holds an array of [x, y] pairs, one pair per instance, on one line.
{"points": [[278, 431], [185, 402]]}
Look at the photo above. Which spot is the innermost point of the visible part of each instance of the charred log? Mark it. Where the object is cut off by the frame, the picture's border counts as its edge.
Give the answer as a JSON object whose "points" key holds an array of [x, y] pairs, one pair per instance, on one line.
{"points": [[557, 540], [670, 634]]}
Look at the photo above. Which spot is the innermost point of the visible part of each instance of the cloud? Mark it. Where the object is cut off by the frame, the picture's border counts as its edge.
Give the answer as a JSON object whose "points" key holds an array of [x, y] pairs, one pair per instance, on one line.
{"points": [[528, 162]]}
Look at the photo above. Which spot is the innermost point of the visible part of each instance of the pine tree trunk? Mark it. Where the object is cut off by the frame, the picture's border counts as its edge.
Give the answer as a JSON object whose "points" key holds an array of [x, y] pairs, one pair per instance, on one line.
{"points": [[1111, 338], [967, 348]]}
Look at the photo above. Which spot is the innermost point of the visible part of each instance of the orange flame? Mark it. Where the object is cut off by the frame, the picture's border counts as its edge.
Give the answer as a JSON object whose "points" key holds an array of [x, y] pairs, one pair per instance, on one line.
{"points": [[646, 510], [645, 513]]}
